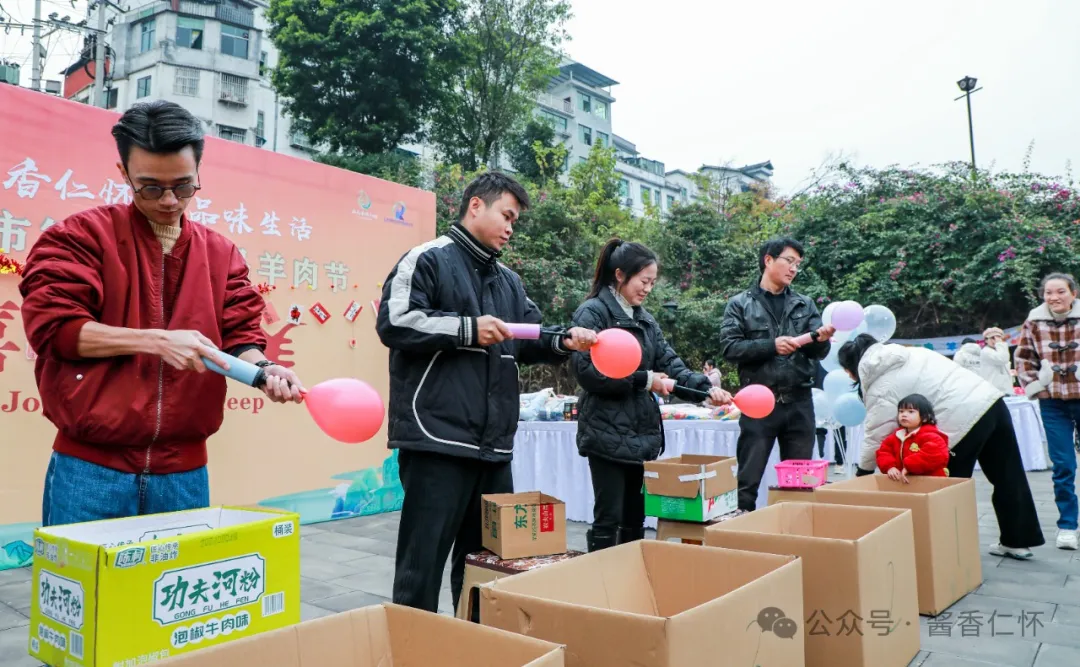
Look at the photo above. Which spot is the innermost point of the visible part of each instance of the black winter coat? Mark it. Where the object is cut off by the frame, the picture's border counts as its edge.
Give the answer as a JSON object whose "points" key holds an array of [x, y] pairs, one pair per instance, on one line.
{"points": [[449, 395], [748, 338], [620, 420]]}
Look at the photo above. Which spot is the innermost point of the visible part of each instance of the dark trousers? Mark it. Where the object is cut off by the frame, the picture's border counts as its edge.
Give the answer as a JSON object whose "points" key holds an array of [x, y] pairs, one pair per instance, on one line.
{"points": [[790, 423], [839, 446], [992, 442], [618, 504], [441, 510]]}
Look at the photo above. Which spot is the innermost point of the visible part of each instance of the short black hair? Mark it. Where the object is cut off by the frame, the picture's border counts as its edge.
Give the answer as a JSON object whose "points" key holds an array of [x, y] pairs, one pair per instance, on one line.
{"points": [[774, 247], [491, 185], [158, 127], [920, 404], [968, 340], [851, 353], [710, 362]]}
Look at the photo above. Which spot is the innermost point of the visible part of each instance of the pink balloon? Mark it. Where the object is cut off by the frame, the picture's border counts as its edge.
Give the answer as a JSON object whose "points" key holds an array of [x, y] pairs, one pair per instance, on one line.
{"points": [[755, 401], [346, 409], [616, 354], [847, 316]]}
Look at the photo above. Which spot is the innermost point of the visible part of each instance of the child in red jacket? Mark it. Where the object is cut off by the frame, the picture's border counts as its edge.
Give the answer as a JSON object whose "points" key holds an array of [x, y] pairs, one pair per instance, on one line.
{"points": [[918, 448]]}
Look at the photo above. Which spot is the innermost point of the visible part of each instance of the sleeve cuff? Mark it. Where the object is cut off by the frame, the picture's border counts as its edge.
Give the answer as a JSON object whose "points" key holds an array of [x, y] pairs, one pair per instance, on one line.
{"points": [[67, 338], [467, 331], [641, 379], [240, 349], [557, 346]]}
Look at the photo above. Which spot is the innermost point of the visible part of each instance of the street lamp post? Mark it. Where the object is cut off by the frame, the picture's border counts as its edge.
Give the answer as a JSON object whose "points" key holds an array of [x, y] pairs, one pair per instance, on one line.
{"points": [[967, 85]]}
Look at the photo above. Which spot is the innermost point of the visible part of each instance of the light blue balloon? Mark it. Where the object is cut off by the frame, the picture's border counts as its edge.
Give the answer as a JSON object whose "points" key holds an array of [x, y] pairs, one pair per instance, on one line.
{"points": [[849, 410], [838, 383]]}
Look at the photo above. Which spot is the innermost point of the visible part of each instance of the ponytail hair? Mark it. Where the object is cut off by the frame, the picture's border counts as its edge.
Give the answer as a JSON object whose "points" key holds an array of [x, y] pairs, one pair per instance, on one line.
{"points": [[630, 258]]}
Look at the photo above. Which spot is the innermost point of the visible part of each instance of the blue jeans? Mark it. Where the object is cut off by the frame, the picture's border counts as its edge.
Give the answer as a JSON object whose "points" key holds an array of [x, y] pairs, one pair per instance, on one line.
{"points": [[77, 491], [1061, 419]]}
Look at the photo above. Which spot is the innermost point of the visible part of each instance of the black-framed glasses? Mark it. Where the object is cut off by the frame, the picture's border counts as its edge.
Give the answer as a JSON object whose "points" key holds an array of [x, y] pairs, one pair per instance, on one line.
{"points": [[153, 192], [1071, 345]]}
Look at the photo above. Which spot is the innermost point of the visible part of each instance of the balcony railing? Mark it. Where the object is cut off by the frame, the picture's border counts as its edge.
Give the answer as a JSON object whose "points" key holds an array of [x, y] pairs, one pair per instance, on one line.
{"points": [[240, 16], [559, 104]]}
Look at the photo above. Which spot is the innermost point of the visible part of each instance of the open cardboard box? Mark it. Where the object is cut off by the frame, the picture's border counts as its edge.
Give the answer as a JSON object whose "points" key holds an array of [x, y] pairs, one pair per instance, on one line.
{"points": [[380, 636], [691, 487], [946, 524], [658, 604], [859, 593]]}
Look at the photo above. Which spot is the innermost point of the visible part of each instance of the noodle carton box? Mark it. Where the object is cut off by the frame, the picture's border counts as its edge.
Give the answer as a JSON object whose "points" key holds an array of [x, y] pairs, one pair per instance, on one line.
{"points": [[691, 487], [139, 590]]}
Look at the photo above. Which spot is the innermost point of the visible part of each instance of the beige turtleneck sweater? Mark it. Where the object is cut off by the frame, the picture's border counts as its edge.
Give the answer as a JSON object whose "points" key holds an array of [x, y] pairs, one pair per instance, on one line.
{"points": [[166, 234]]}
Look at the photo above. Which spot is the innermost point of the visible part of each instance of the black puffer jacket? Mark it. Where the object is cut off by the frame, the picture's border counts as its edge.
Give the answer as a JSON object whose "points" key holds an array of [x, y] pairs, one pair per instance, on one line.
{"points": [[449, 395], [620, 419], [748, 338]]}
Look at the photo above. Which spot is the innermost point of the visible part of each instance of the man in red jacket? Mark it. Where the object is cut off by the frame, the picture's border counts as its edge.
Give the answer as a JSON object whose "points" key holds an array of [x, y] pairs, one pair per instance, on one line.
{"points": [[122, 303]]}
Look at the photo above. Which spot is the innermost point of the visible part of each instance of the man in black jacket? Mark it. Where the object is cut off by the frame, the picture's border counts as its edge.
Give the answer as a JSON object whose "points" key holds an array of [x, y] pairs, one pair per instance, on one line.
{"points": [[759, 335], [453, 407]]}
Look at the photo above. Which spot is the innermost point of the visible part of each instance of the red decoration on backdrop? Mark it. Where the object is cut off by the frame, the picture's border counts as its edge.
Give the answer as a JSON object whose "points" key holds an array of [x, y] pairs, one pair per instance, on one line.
{"points": [[9, 265]]}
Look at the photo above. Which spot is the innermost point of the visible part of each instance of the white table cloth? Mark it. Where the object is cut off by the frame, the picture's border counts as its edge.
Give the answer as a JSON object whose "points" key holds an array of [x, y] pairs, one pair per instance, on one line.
{"points": [[546, 457]]}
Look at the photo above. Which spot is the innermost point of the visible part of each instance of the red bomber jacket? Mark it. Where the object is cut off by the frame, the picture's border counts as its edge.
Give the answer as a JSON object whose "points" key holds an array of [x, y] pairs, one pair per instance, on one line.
{"points": [[135, 414], [924, 451]]}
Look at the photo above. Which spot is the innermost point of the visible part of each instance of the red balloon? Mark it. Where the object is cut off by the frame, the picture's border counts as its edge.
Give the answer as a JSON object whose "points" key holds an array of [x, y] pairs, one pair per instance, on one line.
{"points": [[755, 401], [616, 354], [346, 409]]}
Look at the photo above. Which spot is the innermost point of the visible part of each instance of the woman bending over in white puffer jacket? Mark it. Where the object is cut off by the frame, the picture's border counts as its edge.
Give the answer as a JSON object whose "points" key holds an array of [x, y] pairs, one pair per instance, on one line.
{"points": [[970, 411]]}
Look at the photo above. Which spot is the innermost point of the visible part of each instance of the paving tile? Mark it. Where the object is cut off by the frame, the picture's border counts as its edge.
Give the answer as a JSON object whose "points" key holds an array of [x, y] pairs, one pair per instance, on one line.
{"points": [[309, 612], [946, 660], [9, 618], [355, 542], [13, 648], [317, 551], [313, 590], [1029, 592], [325, 570], [17, 595], [15, 575], [1051, 655], [1019, 576], [919, 659], [350, 601], [1068, 614]]}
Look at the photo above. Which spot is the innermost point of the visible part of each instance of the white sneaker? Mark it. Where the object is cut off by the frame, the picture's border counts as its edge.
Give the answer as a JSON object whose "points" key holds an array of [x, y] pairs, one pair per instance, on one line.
{"points": [[1067, 539], [1018, 554]]}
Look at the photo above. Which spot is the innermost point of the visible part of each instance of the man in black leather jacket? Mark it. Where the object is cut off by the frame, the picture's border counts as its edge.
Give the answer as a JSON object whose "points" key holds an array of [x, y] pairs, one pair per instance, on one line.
{"points": [[759, 335]]}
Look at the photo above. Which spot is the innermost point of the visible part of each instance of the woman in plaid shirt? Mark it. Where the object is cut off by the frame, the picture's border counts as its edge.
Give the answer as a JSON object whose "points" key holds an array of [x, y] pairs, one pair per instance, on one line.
{"points": [[1048, 366]]}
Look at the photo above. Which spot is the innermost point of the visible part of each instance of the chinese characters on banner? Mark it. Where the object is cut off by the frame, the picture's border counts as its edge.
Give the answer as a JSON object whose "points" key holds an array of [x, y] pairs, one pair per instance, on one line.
{"points": [[313, 236]]}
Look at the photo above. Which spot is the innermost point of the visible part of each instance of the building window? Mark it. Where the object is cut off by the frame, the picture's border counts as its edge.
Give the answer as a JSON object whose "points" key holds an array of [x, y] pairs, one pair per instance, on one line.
{"points": [[260, 129], [555, 120], [600, 109], [585, 134], [236, 134], [582, 160], [263, 69], [646, 195], [624, 188], [146, 36], [657, 198], [602, 138], [670, 202], [142, 87], [586, 102], [187, 82], [111, 98], [234, 41], [189, 32]]}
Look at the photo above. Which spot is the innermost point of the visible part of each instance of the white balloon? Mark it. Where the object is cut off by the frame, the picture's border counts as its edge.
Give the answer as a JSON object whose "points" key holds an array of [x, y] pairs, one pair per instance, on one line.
{"points": [[826, 315], [880, 322], [837, 384], [822, 406]]}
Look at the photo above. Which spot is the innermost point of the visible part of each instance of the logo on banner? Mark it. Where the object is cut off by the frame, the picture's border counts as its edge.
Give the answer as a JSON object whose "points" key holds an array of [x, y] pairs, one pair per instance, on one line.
{"points": [[363, 201]]}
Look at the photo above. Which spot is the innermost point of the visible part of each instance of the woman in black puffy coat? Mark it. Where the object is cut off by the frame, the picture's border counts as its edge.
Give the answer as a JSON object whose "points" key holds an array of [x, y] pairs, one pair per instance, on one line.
{"points": [[619, 423]]}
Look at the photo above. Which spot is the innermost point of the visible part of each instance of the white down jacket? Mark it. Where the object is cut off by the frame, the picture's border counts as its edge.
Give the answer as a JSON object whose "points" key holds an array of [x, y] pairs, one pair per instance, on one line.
{"points": [[888, 373], [969, 356], [994, 366]]}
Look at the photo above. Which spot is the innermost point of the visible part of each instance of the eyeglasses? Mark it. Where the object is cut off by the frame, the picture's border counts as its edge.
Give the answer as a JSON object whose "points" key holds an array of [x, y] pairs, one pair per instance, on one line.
{"points": [[792, 261], [153, 192]]}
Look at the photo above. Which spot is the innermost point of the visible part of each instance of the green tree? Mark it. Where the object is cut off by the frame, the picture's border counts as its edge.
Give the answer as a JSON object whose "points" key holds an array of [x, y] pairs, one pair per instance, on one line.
{"points": [[508, 53], [535, 154], [396, 166], [361, 75]]}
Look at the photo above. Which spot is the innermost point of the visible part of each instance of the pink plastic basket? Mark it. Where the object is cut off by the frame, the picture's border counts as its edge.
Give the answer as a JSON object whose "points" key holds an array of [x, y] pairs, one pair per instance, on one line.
{"points": [[801, 474]]}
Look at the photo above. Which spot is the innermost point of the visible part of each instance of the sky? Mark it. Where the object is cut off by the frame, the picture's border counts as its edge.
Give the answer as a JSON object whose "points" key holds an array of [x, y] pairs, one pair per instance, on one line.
{"points": [[797, 82]]}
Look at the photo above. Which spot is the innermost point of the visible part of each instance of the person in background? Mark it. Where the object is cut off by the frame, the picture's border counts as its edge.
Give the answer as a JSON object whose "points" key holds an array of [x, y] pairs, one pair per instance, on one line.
{"points": [[122, 304], [969, 355], [918, 447], [967, 409], [619, 422], [712, 372], [454, 397], [1048, 367], [995, 364], [759, 333]]}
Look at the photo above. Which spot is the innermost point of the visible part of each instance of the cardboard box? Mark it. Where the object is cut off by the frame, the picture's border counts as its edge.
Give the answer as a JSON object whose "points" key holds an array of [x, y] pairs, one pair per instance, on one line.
{"points": [[484, 567], [689, 532], [691, 487], [779, 495], [859, 595], [947, 561], [381, 636], [138, 590], [658, 604], [520, 525]]}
